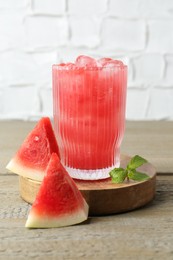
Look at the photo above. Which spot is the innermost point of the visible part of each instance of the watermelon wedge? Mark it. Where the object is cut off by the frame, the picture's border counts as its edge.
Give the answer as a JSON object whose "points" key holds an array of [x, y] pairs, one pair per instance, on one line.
{"points": [[59, 202], [34, 154]]}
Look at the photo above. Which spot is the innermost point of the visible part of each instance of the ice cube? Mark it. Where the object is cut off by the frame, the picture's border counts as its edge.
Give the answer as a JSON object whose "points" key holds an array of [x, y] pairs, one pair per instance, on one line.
{"points": [[85, 61], [103, 61], [114, 63], [108, 62], [70, 66]]}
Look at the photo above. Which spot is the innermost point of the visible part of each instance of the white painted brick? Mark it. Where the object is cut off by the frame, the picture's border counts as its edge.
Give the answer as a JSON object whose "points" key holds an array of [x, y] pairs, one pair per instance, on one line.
{"points": [[141, 8], [85, 31], [18, 102], [169, 70], [13, 4], [41, 58], [160, 36], [1, 79], [25, 69], [1, 101], [54, 7], [124, 8], [11, 31], [160, 105], [137, 102], [87, 7], [46, 102], [43, 73], [149, 68], [46, 32], [123, 35], [155, 8], [17, 68]]}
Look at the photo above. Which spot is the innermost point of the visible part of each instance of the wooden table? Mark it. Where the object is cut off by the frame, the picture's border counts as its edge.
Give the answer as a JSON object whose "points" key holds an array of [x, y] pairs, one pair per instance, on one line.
{"points": [[146, 233]]}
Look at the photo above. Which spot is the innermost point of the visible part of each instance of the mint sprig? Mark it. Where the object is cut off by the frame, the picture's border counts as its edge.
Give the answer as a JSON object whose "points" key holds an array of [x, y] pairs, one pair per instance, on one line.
{"points": [[118, 175]]}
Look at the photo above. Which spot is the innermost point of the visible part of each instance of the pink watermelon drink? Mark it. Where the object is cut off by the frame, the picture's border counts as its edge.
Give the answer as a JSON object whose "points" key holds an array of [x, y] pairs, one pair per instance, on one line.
{"points": [[89, 99]]}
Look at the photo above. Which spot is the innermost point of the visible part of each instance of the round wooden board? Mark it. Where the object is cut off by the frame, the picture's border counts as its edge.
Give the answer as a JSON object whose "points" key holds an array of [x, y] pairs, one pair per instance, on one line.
{"points": [[104, 197]]}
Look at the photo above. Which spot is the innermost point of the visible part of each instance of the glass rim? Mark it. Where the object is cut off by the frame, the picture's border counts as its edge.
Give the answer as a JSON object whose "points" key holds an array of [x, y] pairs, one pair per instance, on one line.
{"points": [[87, 68]]}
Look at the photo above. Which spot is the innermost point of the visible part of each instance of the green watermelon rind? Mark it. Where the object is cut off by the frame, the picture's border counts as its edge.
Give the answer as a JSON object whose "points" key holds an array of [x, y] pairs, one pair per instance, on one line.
{"points": [[36, 221], [17, 167]]}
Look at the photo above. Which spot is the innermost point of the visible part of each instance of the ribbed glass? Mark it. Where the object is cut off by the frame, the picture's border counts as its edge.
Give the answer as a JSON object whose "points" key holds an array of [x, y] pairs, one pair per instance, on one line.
{"points": [[89, 117]]}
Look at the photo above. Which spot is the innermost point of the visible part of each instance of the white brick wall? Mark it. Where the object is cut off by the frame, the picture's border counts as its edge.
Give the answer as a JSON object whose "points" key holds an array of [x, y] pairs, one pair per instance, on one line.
{"points": [[9, 5], [159, 98], [169, 69], [141, 9], [123, 35], [12, 34], [90, 7], [52, 7], [43, 32], [34, 34], [149, 68], [19, 102], [137, 103], [84, 32], [160, 37]]}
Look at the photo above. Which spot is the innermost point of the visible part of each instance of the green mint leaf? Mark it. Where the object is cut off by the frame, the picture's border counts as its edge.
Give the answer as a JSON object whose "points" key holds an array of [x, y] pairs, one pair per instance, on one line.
{"points": [[135, 162], [137, 176], [118, 175]]}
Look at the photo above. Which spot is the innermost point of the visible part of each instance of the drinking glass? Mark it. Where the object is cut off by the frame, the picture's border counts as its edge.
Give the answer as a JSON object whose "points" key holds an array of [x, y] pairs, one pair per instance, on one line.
{"points": [[89, 117]]}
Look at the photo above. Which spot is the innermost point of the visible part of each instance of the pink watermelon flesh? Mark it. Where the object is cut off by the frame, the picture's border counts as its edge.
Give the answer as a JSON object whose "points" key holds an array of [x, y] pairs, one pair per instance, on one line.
{"points": [[58, 202], [34, 154]]}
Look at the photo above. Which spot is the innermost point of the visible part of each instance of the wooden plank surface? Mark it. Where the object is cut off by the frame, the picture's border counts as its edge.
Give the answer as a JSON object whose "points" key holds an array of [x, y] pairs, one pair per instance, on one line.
{"points": [[146, 233]]}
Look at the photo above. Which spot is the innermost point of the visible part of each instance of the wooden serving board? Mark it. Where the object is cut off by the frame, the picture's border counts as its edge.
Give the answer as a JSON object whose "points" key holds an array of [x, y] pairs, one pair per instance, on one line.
{"points": [[104, 197]]}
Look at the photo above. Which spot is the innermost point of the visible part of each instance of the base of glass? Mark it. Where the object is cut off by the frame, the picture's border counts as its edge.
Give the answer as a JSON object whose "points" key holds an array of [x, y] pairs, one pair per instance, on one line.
{"points": [[97, 174]]}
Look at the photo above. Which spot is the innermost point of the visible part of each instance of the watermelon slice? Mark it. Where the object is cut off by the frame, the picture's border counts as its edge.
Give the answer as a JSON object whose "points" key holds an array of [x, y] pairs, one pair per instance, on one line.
{"points": [[34, 154], [58, 202]]}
